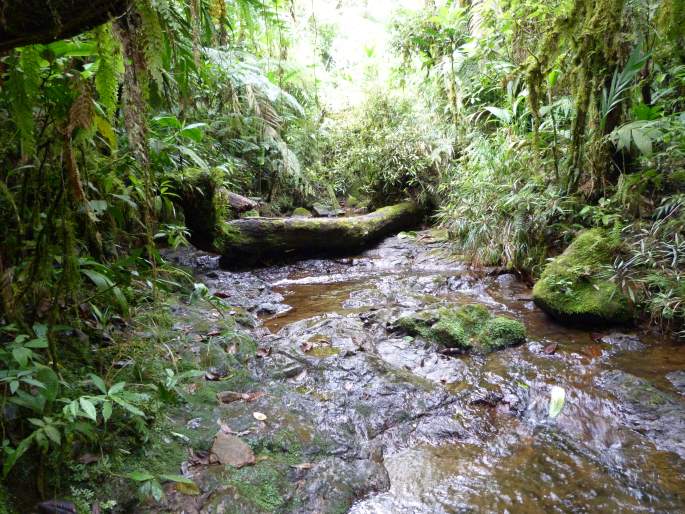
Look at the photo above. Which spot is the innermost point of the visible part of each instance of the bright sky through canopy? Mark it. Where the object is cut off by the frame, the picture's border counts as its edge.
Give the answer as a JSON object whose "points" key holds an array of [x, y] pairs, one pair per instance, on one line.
{"points": [[355, 34]]}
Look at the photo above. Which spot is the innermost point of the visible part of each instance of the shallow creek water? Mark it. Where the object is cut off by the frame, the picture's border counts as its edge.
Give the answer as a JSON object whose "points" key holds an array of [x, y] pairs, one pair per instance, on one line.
{"points": [[466, 433]]}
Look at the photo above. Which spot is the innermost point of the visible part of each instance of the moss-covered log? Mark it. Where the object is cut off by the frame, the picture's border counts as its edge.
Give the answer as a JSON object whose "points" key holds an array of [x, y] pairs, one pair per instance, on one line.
{"points": [[25, 22], [256, 240]]}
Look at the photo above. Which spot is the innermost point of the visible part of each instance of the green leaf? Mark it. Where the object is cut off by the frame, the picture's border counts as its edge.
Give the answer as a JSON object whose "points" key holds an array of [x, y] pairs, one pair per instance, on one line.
{"points": [[557, 400], [16, 455], [88, 408], [14, 385], [116, 388], [176, 478], [53, 434], [22, 355], [106, 410], [133, 410], [99, 383], [502, 114], [100, 280], [40, 330], [41, 342], [140, 476]]}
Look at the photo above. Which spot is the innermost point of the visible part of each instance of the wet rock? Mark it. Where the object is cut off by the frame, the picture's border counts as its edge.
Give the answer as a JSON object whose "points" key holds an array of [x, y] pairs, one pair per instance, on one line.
{"points": [[230, 450], [677, 378], [620, 343], [336, 484], [325, 211], [655, 413]]}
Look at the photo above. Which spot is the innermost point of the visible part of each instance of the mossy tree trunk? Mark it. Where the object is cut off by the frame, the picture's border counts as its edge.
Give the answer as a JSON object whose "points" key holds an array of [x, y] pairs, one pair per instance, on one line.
{"points": [[25, 22], [252, 241]]}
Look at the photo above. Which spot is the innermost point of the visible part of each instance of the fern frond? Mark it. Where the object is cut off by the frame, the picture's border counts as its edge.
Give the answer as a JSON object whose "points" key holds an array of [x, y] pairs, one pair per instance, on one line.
{"points": [[24, 84], [109, 69]]}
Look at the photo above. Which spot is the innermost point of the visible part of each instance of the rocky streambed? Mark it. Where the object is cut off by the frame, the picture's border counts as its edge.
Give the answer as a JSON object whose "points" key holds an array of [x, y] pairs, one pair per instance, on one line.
{"points": [[339, 410]]}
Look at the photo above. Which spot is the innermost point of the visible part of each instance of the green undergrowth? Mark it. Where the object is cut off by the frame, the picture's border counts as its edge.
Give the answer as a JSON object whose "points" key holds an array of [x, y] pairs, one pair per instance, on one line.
{"points": [[160, 359], [470, 328]]}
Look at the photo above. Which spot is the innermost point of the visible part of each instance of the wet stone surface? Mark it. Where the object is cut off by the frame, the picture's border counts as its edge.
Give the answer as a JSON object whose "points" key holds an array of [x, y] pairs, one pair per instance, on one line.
{"points": [[357, 416]]}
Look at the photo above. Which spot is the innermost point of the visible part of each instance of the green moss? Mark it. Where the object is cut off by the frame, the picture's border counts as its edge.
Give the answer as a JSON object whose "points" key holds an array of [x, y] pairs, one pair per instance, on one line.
{"points": [[450, 332], [252, 213], [262, 485], [228, 235], [500, 332], [471, 328], [574, 286], [323, 352], [301, 212]]}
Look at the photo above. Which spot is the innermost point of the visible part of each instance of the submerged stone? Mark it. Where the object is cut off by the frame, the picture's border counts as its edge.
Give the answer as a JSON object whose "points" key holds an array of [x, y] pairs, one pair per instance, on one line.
{"points": [[574, 288], [469, 328]]}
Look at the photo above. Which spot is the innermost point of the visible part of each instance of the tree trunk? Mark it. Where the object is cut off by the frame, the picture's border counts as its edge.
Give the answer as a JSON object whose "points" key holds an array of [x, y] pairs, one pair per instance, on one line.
{"points": [[251, 241], [25, 22]]}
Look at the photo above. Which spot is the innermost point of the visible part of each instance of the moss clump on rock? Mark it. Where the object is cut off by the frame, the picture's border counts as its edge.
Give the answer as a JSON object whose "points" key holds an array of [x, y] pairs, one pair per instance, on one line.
{"points": [[574, 288], [500, 332], [471, 328], [301, 212]]}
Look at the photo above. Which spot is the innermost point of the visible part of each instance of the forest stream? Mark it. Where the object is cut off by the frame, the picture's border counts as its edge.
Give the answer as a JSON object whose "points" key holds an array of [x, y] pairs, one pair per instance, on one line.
{"points": [[359, 417]]}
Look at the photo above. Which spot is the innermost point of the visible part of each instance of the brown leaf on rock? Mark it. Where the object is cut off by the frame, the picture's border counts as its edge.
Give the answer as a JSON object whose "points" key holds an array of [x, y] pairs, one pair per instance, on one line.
{"points": [[551, 349], [304, 465], [264, 352], [88, 458], [232, 396], [231, 450], [307, 346]]}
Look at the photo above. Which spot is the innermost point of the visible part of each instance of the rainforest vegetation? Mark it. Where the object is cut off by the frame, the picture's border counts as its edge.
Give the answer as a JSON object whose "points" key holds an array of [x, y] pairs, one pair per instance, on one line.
{"points": [[520, 128]]}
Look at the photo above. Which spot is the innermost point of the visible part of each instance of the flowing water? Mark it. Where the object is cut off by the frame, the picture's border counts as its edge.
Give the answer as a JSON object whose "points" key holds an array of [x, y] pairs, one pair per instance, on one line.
{"points": [[466, 433]]}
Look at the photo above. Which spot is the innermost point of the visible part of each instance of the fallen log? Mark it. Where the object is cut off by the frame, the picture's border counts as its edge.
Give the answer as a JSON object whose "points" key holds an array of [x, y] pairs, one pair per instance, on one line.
{"points": [[251, 241], [24, 22]]}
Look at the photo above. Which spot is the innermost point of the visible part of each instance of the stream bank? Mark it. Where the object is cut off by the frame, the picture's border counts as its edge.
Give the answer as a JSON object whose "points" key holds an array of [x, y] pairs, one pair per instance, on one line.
{"points": [[343, 413]]}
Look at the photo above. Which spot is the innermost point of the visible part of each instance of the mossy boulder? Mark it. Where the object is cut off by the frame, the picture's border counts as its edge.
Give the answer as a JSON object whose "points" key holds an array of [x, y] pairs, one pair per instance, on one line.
{"points": [[301, 212], [575, 288], [471, 328]]}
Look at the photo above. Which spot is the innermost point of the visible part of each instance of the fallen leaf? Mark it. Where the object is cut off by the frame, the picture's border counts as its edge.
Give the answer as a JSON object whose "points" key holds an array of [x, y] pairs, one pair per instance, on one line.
{"points": [[88, 458], [213, 333], [307, 346], [551, 349], [304, 465], [189, 489], [263, 352], [229, 449], [232, 396], [222, 294], [191, 388], [556, 401], [251, 397], [259, 416]]}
